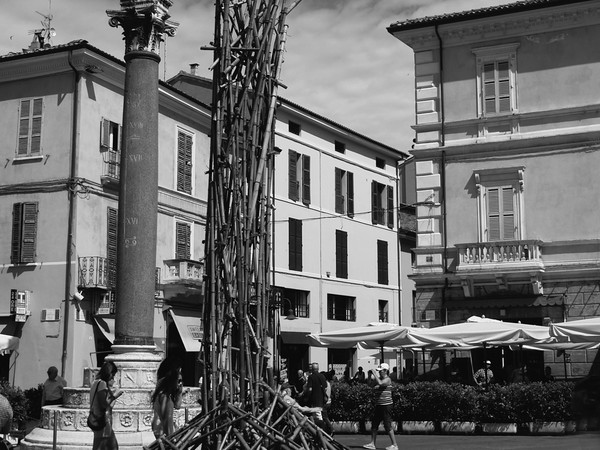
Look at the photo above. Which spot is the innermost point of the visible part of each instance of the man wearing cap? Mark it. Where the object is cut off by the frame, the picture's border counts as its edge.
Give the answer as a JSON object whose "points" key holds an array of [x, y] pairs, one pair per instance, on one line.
{"points": [[484, 376], [383, 406]]}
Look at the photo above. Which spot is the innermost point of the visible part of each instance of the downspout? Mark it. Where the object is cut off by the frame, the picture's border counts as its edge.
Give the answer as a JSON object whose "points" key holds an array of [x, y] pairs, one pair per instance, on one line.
{"points": [[398, 241], [443, 173], [70, 225]]}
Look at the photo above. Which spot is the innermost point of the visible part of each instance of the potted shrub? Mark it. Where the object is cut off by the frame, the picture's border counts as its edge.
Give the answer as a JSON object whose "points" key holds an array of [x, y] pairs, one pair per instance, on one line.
{"points": [[458, 408], [421, 413], [497, 408], [350, 405], [548, 407]]}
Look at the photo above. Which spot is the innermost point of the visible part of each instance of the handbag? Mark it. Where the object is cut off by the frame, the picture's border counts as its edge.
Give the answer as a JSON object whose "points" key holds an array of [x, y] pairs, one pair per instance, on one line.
{"points": [[96, 423]]}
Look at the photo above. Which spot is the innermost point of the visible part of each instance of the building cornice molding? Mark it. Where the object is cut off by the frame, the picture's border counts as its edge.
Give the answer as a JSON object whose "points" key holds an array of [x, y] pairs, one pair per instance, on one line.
{"points": [[529, 23]]}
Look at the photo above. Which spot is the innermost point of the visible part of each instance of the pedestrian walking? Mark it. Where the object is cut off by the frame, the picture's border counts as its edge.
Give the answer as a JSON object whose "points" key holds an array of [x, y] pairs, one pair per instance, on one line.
{"points": [[383, 406], [167, 397], [102, 402]]}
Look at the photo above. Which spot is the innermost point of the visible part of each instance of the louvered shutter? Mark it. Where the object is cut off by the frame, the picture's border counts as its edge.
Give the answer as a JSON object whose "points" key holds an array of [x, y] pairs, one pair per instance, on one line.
{"points": [[15, 248], [182, 240], [184, 162], [390, 206], [341, 254], [111, 245], [350, 193], [489, 88], [382, 262], [306, 179], [508, 214], [493, 202], [503, 87], [339, 197], [374, 202], [105, 134], [24, 113], [29, 231], [36, 127], [295, 244], [293, 193]]}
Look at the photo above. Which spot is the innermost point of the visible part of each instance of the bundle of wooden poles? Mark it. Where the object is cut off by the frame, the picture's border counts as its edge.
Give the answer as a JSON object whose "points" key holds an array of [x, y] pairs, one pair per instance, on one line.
{"points": [[227, 427]]}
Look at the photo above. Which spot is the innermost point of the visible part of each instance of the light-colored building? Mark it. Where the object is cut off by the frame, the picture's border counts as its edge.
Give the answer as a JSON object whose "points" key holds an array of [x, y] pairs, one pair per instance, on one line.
{"points": [[61, 110], [336, 235], [506, 155]]}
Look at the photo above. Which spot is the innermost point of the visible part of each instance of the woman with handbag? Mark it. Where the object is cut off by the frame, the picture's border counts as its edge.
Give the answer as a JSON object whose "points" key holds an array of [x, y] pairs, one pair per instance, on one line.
{"points": [[101, 404]]}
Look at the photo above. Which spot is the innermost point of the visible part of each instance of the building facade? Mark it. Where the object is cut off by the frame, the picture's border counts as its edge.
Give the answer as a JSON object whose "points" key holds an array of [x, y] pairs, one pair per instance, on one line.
{"points": [[506, 150], [61, 110]]}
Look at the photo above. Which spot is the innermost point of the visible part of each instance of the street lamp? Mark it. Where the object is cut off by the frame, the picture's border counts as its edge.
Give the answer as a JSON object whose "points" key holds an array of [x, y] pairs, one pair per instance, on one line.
{"points": [[290, 311]]}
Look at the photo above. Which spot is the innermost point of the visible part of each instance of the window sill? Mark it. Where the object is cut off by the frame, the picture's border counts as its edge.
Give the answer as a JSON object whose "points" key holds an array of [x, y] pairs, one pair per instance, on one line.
{"points": [[26, 159]]}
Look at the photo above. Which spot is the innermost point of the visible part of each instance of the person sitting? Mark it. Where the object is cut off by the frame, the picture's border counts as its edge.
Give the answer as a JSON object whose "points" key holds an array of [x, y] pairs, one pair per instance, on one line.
{"points": [[359, 376], [52, 391]]}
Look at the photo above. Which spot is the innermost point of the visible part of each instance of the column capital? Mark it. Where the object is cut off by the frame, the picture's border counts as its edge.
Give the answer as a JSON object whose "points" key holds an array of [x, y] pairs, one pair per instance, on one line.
{"points": [[144, 22]]}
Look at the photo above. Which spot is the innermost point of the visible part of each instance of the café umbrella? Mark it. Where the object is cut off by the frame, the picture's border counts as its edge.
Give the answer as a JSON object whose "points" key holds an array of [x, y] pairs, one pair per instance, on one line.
{"points": [[577, 331]]}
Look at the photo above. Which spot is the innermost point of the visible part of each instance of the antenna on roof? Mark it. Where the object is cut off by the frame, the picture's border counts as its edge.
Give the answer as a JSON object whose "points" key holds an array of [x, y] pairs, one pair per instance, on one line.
{"points": [[46, 33]]}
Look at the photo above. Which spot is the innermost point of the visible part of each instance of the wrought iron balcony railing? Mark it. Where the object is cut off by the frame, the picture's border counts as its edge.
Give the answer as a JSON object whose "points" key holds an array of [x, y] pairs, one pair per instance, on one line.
{"points": [[499, 252], [96, 272]]}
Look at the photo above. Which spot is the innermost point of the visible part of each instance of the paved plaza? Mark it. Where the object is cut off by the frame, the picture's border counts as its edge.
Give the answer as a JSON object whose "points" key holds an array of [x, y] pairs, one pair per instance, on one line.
{"points": [[579, 441]]}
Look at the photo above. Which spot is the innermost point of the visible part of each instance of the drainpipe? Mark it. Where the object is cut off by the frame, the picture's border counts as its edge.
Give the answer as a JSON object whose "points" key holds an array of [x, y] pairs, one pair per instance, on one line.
{"points": [[398, 242], [443, 172], [72, 206]]}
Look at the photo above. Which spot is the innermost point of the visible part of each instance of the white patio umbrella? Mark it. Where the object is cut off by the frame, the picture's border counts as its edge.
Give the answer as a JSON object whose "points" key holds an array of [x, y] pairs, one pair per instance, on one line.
{"points": [[582, 331], [8, 344]]}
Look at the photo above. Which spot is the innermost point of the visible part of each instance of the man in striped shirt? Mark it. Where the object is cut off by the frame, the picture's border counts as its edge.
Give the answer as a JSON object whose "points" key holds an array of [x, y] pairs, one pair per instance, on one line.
{"points": [[383, 407]]}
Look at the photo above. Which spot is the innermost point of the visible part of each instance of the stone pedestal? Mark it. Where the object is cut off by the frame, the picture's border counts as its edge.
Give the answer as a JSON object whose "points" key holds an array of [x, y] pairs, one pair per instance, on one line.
{"points": [[132, 413]]}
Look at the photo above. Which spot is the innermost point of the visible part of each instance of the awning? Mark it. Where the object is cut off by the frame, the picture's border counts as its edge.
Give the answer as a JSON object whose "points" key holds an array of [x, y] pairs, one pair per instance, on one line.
{"points": [[8, 344], [189, 325], [294, 337], [500, 302], [107, 326]]}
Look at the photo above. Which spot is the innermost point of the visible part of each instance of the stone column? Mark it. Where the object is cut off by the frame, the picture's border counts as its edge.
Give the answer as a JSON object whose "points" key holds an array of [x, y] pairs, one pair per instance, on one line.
{"points": [[143, 23]]}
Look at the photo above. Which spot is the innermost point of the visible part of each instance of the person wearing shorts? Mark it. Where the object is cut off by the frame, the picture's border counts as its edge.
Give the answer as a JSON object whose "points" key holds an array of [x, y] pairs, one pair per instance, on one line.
{"points": [[383, 406]]}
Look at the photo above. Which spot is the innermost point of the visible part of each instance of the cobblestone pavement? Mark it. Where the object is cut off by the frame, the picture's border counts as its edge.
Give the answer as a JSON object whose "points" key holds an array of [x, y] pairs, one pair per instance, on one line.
{"points": [[578, 441]]}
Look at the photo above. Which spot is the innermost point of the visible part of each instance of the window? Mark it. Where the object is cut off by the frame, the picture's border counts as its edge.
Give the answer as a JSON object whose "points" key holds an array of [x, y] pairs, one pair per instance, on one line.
{"points": [[294, 127], [295, 300], [183, 235], [110, 146], [382, 262], [344, 192], [380, 163], [299, 170], [382, 204], [24, 232], [340, 147], [185, 144], [341, 307], [295, 244], [496, 79], [500, 203], [111, 246], [30, 127], [383, 311], [341, 254]]}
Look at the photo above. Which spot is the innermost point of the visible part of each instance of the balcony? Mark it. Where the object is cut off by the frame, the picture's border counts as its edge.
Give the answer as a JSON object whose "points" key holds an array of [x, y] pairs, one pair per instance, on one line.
{"points": [[111, 169], [96, 272], [483, 254], [183, 271]]}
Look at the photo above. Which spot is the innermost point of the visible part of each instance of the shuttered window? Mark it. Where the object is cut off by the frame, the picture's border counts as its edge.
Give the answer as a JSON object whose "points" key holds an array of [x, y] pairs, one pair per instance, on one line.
{"points": [[183, 234], [382, 204], [293, 191], [341, 254], [496, 87], [295, 244], [185, 142], [306, 179], [501, 213], [24, 232], [382, 262], [344, 192], [299, 177], [111, 246], [30, 127]]}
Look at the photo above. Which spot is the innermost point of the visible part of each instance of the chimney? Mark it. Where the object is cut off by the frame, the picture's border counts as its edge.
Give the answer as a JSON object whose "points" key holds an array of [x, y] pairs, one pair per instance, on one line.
{"points": [[194, 68]]}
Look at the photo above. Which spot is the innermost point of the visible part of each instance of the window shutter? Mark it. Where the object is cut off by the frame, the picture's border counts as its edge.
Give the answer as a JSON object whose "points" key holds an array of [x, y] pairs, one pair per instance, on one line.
{"points": [[306, 179], [341, 254], [120, 139], [295, 244], [111, 245], [184, 162], [182, 240], [15, 248], [508, 215], [24, 113], [292, 176], [339, 198], [489, 88], [382, 262], [390, 207], [350, 193], [503, 87], [29, 231], [374, 202], [105, 134], [493, 214]]}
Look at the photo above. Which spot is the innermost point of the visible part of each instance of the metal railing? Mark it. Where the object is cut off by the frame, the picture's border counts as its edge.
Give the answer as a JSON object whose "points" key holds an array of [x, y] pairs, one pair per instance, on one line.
{"points": [[95, 271]]}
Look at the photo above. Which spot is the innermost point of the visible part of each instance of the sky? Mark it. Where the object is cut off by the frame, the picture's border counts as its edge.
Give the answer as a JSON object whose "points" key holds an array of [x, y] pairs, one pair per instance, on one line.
{"points": [[340, 60]]}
